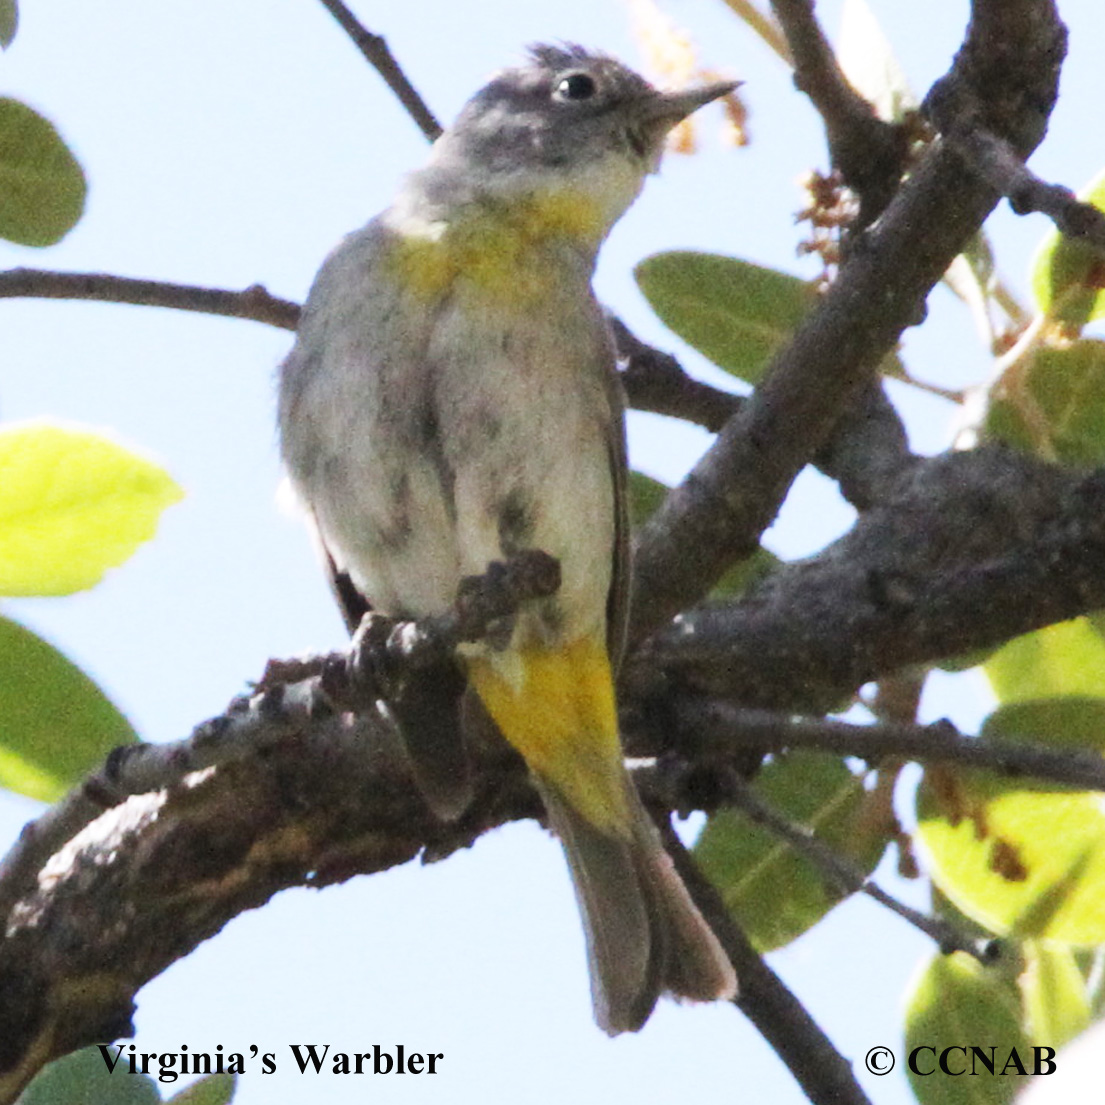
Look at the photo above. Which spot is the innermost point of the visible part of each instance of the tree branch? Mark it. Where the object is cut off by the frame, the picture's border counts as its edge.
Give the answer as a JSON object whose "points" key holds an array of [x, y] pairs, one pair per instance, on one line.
{"points": [[956, 108], [656, 381], [997, 162], [867, 449], [870, 153], [822, 1072], [716, 516], [924, 576], [702, 730], [165, 844], [842, 872], [375, 51], [317, 801], [254, 303]]}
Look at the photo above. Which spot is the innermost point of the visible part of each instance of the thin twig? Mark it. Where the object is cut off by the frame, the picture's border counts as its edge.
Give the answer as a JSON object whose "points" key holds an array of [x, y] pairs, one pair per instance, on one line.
{"points": [[822, 1072], [379, 56], [701, 727], [763, 25], [869, 152], [656, 381], [996, 160], [253, 303], [850, 878]]}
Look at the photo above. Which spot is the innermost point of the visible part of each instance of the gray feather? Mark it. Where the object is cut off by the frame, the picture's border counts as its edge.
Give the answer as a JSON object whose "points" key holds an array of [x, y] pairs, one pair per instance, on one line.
{"points": [[644, 935]]}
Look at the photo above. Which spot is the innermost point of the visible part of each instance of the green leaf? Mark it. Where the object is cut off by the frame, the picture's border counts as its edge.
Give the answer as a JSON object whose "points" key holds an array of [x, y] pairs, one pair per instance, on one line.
{"points": [[55, 723], [1015, 860], [1069, 722], [1068, 275], [215, 1089], [959, 1003], [965, 660], [869, 63], [1063, 659], [9, 22], [1058, 408], [736, 313], [1054, 993], [746, 573], [645, 497], [72, 505], [42, 187], [971, 276], [83, 1078], [774, 894]]}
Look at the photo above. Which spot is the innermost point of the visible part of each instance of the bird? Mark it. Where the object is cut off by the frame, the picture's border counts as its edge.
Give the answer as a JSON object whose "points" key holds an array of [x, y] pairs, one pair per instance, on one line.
{"points": [[451, 400]]}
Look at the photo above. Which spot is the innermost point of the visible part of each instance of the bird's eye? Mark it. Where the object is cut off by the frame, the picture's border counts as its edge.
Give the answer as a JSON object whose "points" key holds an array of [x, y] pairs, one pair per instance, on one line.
{"points": [[576, 86]]}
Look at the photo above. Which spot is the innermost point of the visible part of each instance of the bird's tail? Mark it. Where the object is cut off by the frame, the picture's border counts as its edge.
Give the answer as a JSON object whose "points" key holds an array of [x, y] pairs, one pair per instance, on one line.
{"points": [[644, 935]]}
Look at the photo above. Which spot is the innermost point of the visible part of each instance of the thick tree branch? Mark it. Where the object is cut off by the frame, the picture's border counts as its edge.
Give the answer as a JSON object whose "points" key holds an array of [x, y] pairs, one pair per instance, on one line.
{"points": [[317, 801], [719, 512], [971, 549], [165, 844], [254, 303], [375, 51]]}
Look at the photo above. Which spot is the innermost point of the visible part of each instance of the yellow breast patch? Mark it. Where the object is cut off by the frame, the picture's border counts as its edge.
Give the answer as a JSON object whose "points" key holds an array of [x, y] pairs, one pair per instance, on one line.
{"points": [[498, 249]]}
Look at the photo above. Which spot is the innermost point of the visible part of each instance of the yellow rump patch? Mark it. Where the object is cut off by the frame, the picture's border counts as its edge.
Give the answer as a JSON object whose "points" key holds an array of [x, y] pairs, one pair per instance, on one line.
{"points": [[560, 715]]}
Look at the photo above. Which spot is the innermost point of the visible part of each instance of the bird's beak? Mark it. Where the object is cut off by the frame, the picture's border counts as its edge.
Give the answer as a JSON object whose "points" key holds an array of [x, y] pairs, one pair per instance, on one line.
{"points": [[669, 108]]}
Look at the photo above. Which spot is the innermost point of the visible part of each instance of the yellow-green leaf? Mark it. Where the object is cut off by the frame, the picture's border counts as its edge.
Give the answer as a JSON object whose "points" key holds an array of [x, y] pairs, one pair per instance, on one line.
{"points": [[1068, 275], [83, 1078], [1021, 861], [55, 723], [736, 313], [958, 1003], [42, 187], [1067, 722], [1054, 993], [746, 573], [215, 1089], [1063, 659], [775, 894], [1058, 409], [645, 497], [9, 22], [72, 505]]}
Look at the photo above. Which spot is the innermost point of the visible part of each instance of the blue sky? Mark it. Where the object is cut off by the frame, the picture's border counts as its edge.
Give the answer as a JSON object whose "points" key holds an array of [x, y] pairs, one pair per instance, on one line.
{"points": [[235, 143]]}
